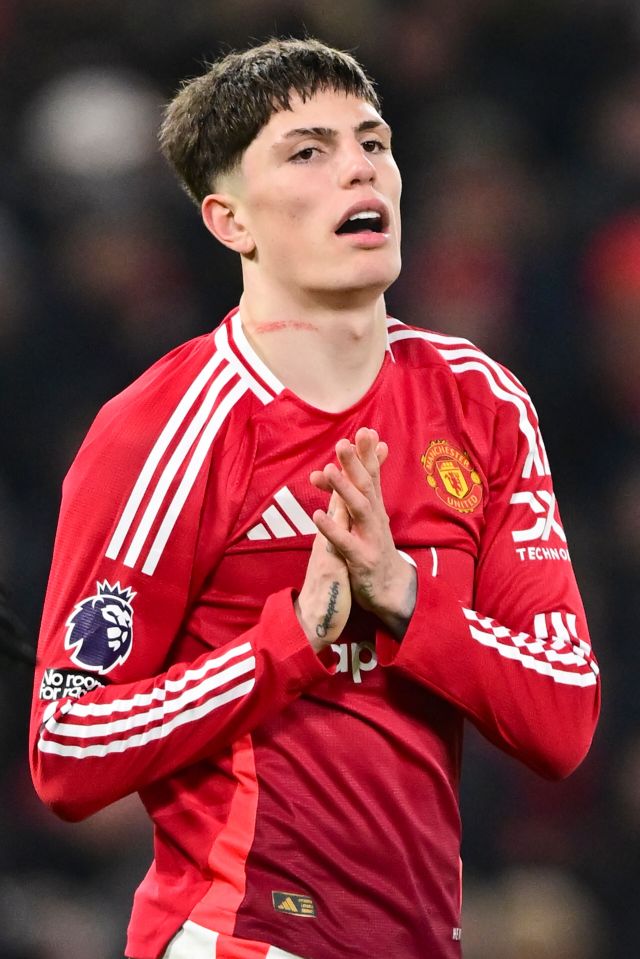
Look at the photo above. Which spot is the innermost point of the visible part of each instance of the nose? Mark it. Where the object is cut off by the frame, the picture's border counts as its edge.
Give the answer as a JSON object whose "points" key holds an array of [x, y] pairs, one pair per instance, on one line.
{"points": [[357, 166]]}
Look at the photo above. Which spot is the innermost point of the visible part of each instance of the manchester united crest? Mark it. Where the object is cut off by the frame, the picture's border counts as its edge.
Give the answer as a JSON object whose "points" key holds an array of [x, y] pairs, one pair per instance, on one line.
{"points": [[451, 474]]}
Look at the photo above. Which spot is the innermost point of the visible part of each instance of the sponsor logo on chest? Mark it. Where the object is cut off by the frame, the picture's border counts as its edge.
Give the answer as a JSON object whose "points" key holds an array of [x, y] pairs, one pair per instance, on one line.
{"points": [[355, 658]]}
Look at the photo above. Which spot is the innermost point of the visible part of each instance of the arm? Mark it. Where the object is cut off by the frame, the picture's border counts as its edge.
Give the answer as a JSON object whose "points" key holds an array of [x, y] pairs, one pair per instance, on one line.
{"points": [[111, 713], [517, 661], [89, 750]]}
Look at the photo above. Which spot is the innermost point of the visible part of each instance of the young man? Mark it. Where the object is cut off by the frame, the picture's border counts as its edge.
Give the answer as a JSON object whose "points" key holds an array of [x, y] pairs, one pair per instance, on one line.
{"points": [[249, 621]]}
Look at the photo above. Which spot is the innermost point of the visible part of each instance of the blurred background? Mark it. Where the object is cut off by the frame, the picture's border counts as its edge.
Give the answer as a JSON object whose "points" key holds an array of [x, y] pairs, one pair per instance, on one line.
{"points": [[517, 128]]}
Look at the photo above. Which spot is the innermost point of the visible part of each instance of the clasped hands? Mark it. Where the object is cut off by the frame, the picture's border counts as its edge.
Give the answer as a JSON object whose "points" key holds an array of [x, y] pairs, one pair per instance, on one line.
{"points": [[353, 555]]}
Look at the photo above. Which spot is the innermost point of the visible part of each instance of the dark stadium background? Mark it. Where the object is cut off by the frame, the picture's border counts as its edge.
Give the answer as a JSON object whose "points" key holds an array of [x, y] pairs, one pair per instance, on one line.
{"points": [[517, 127]]}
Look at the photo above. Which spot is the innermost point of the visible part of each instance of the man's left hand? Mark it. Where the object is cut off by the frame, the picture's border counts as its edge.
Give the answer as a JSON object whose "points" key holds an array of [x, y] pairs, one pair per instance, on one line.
{"points": [[381, 580]]}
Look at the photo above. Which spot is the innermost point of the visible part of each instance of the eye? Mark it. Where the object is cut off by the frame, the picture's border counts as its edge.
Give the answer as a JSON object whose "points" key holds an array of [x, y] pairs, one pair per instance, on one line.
{"points": [[373, 146], [304, 155]]}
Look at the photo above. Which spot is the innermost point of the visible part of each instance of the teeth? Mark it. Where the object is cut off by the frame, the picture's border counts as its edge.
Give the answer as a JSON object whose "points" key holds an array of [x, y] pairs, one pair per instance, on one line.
{"points": [[365, 215]]}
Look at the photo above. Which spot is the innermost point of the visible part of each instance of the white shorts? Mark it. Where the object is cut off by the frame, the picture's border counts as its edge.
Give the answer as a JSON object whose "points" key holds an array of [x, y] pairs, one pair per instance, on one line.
{"points": [[196, 942]]}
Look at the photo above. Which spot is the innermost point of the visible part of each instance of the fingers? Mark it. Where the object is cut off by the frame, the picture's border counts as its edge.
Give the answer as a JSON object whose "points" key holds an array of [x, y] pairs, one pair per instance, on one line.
{"points": [[367, 442], [382, 451], [360, 462], [318, 480], [368, 449], [338, 515], [339, 512], [338, 537], [334, 524]]}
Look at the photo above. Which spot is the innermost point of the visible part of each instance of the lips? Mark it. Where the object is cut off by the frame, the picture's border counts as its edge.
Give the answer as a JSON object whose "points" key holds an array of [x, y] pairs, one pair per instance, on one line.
{"points": [[365, 216]]}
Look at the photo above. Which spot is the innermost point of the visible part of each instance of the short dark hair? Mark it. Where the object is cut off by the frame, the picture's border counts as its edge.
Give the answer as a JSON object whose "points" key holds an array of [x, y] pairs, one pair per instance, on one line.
{"points": [[214, 117]]}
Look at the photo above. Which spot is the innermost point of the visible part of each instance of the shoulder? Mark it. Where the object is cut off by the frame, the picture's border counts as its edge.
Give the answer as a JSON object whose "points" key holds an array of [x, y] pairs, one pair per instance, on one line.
{"points": [[191, 405], [473, 371], [142, 473], [170, 387], [188, 395], [489, 395]]}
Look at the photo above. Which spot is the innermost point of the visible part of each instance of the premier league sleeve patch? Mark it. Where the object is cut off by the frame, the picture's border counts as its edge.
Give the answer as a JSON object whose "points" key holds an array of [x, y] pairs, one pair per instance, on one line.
{"points": [[100, 629]]}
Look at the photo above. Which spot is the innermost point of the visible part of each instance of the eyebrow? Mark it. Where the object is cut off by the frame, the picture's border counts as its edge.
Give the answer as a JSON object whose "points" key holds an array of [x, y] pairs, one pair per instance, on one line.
{"points": [[326, 133]]}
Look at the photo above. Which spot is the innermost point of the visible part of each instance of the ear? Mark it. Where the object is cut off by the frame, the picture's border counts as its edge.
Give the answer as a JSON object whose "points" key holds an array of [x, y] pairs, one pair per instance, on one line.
{"points": [[220, 216]]}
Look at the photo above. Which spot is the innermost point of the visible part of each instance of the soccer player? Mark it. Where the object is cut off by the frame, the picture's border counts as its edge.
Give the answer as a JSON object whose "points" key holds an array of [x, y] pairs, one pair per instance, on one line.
{"points": [[296, 554]]}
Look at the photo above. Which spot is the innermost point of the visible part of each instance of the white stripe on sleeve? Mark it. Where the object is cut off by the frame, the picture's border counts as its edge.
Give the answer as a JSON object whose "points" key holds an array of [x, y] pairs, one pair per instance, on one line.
{"points": [[159, 449], [524, 649], [157, 732], [175, 462], [158, 713], [190, 475], [505, 387], [159, 693]]}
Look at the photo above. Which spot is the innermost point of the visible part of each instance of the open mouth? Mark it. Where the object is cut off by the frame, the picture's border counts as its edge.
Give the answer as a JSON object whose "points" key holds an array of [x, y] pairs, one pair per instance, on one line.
{"points": [[366, 221]]}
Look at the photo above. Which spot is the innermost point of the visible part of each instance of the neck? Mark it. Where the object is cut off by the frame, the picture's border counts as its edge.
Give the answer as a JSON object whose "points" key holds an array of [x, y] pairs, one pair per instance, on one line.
{"points": [[328, 352]]}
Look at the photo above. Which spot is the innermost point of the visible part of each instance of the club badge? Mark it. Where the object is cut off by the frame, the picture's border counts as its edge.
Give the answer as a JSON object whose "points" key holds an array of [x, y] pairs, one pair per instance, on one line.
{"points": [[453, 477]]}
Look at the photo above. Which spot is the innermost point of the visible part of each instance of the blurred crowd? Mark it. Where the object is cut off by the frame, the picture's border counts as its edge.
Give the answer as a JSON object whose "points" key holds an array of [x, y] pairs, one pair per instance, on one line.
{"points": [[517, 129]]}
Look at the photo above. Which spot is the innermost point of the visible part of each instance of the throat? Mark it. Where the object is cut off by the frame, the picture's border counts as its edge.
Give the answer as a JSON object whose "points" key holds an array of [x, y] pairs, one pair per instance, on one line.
{"points": [[328, 366], [330, 386]]}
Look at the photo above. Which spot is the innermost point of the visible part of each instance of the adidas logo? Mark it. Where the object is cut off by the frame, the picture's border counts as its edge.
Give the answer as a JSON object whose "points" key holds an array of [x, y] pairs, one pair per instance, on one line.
{"points": [[288, 520], [293, 903], [288, 905]]}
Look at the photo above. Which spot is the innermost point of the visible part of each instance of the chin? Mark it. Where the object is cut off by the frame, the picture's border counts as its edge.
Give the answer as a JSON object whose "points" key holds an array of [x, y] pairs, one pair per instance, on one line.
{"points": [[353, 295], [369, 274], [373, 279]]}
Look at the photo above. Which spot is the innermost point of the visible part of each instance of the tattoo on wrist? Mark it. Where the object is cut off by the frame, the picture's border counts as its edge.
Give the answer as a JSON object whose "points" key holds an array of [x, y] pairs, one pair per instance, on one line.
{"points": [[365, 589], [323, 628], [399, 623]]}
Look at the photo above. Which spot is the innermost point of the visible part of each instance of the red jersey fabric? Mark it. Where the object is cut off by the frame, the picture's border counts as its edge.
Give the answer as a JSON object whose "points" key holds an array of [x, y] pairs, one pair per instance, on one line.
{"points": [[308, 802]]}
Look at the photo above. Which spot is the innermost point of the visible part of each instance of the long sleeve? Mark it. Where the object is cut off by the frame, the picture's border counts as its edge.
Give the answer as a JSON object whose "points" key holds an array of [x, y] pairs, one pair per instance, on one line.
{"points": [[517, 658], [89, 750], [113, 708]]}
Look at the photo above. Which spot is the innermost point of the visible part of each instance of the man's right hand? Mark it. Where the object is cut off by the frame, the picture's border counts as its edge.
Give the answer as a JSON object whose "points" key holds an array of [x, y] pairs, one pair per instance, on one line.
{"points": [[324, 602]]}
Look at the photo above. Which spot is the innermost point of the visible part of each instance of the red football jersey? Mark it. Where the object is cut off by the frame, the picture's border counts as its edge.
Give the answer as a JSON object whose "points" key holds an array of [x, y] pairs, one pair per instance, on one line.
{"points": [[308, 802]]}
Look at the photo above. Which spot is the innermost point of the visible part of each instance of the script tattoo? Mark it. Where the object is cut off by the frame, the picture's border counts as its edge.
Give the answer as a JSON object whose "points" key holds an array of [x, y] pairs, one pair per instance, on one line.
{"points": [[323, 628]]}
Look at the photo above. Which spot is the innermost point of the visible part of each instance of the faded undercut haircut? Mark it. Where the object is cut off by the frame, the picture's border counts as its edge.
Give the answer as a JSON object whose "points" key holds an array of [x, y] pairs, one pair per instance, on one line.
{"points": [[214, 117]]}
